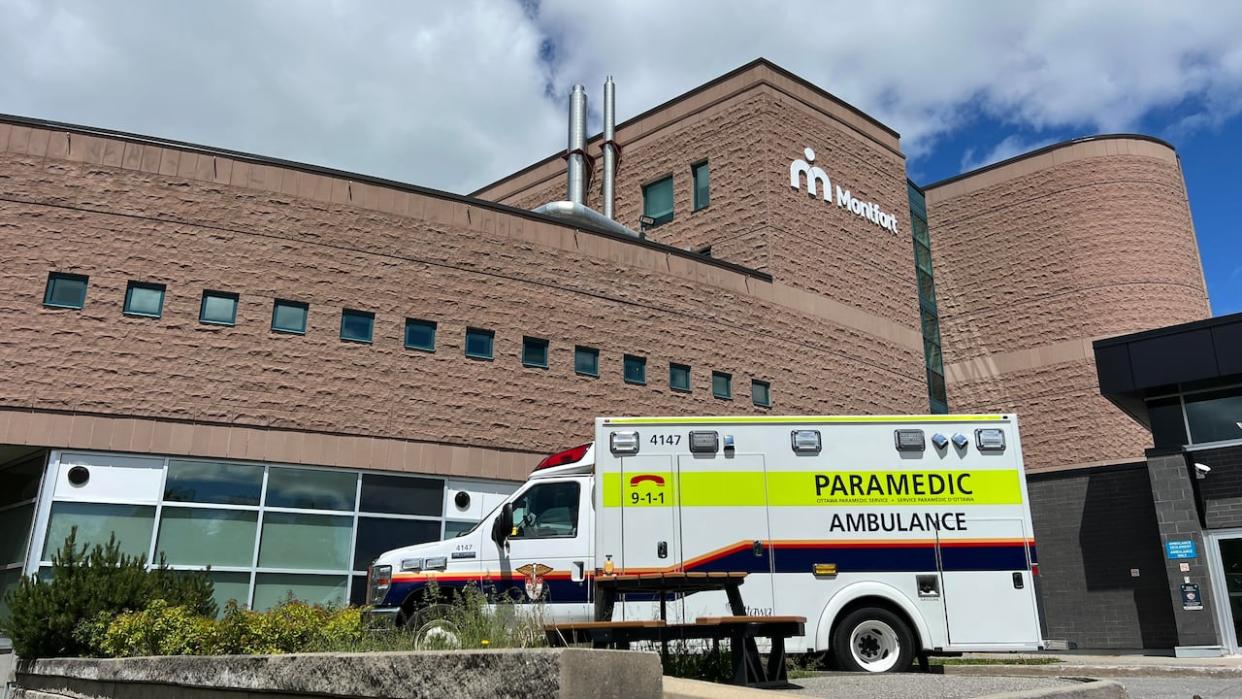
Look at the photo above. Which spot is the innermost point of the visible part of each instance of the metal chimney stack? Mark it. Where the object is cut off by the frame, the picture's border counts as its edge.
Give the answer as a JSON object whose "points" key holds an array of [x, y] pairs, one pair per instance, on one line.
{"points": [[610, 146], [576, 150]]}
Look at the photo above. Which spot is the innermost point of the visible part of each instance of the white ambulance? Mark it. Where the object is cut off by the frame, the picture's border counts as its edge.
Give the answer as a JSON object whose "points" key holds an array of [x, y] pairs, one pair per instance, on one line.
{"points": [[895, 537]]}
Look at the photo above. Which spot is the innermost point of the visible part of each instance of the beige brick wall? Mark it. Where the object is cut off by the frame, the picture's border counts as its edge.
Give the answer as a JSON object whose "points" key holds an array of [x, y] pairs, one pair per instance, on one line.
{"points": [[119, 211], [1047, 253]]}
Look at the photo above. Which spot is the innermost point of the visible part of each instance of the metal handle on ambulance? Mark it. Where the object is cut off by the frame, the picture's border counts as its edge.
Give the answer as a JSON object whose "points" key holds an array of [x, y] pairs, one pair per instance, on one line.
{"points": [[662, 549], [577, 571], [1018, 581]]}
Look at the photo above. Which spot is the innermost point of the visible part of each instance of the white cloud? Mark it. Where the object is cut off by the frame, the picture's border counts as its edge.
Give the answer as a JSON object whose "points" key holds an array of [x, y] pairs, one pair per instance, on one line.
{"points": [[453, 95], [1007, 148]]}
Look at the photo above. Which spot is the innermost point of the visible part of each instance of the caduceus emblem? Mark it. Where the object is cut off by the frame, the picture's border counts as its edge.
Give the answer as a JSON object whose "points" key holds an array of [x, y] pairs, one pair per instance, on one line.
{"points": [[533, 574]]}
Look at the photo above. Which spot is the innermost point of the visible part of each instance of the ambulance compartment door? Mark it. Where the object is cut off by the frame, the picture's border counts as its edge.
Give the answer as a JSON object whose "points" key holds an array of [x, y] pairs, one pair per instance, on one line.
{"points": [[724, 527], [988, 591], [649, 540]]}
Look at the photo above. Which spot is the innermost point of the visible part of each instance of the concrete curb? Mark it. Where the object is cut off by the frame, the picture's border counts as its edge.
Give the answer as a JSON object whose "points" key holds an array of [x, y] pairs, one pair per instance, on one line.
{"points": [[681, 688], [1074, 670]]}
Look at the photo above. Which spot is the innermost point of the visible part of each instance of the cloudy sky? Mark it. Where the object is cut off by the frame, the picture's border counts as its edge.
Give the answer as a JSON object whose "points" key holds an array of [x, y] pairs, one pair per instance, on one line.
{"points": [[455, 94]]}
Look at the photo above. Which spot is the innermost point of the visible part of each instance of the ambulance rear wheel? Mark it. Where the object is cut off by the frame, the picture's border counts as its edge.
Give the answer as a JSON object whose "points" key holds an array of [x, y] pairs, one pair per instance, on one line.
{"points": [[873, 639], [434, 628]]}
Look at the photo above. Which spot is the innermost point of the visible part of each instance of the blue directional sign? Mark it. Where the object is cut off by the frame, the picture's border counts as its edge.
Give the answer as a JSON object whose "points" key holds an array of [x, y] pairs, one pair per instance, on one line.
{"points": [[1181, 549]]}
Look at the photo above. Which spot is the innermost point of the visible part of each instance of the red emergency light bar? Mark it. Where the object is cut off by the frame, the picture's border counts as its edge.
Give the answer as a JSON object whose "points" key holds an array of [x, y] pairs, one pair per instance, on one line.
{"points": [[561, 458]]}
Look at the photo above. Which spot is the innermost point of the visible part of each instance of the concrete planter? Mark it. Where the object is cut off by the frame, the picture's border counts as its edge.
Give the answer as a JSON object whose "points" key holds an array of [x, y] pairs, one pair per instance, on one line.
{"points": [[500, 673]]}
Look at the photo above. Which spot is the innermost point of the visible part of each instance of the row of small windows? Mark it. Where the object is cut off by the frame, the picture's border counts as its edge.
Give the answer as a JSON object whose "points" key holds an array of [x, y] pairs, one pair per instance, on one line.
{"points": [[220, 308], [658, 195]]}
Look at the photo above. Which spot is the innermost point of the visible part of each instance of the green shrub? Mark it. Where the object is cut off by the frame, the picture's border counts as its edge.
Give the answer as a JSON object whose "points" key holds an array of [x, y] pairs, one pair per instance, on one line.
{"points": [[160, 629], [291, 627], [89, 587]]}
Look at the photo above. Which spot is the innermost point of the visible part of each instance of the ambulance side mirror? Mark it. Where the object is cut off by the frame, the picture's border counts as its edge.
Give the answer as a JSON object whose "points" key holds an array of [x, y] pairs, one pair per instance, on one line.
{"points": [[502, 526]]}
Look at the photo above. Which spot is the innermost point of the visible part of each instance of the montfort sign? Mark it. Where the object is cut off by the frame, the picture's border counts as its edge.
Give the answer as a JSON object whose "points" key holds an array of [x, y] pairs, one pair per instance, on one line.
{"points": [[816, 177]]}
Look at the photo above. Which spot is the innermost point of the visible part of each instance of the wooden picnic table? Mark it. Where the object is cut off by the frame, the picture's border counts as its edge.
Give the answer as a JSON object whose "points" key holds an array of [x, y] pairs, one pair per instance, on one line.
{"points": [[739, 628]]}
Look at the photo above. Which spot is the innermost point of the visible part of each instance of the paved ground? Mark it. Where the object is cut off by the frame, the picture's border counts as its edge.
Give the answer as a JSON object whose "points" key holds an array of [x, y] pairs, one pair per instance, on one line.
{"points": [[1180, 687], [916, 685]]}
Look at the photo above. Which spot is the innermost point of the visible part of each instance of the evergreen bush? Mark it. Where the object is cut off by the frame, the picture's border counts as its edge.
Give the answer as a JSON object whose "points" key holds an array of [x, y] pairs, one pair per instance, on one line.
{"points": [[90, 586]]}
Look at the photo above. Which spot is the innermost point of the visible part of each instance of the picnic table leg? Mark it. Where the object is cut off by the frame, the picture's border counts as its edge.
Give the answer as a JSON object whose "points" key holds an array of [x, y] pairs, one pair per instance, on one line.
{"points": [[735, 600], [605, 599], [738, 654], [663, 636], [776, 661]]}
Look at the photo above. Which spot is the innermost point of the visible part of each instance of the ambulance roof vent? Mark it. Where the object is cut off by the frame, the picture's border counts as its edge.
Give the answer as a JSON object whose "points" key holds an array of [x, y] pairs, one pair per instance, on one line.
{"points": [[806, 441]]}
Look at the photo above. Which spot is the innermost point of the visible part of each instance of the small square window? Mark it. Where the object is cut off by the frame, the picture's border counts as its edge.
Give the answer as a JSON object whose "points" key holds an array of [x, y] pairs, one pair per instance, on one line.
{"points": [[722, 385], [289, 316], [702, 194], [586, 361], [658, 201], [535, 352], [420, 334], [219, 308], [357, 326], [479, 343], [761, 393], [65, 290], [634, 369], [679, 377], [142, 299]]}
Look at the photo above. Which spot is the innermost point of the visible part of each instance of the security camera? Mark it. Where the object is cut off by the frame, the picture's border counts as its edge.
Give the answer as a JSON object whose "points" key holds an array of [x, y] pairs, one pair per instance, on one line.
{"points": [[1201, 470]]}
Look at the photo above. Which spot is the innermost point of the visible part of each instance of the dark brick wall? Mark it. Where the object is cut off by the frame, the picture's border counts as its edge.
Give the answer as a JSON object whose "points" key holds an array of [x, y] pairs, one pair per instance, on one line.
{"points": [[1221, 490], [1091, 528]]}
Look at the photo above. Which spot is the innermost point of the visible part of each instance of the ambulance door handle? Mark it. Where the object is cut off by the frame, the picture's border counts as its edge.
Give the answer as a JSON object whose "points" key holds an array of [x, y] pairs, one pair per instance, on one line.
{"points": [[1018, 582], [577, 571], [662, 549]]}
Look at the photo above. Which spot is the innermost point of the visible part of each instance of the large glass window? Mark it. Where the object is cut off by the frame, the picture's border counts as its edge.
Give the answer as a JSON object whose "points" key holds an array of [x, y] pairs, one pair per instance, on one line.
{"points": [[270, 589], [929, 316], [303, 541], [479, 343], [15, 533], [376, 535], [1215, 416], [65, 290], [702, 191], [658, 201], [547, 511], [230, 587], [634, 369], [420, 334], [207, 537], [218, 308], [402, 495], [213, 483], [143, 299], [97, 522], [586, 361], [289, 316], [308, 489]]}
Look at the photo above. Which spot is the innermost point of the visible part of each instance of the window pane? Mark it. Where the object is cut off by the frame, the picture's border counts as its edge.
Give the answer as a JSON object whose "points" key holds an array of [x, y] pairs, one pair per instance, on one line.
{"points": [[702, 194], [453, 529], [1214, 417], [218, 307], [270, 589], [65, 290], [289, 316], [760, 393], [213, 483], [922, 257], [1168, 429], [634, 369], [935, 386], [206, 537], [376, 536], [547, 511], [230, 586], [679, 377], [313, 542], [357, 326], [144, 299], [586, 361], [8, 580], [402, 495], [96, 523], [311, 490], [21, 481], [658, 200], [535, 352], [479, 343], [15, 533], [420, 334], [358, 590], [722, 385]]}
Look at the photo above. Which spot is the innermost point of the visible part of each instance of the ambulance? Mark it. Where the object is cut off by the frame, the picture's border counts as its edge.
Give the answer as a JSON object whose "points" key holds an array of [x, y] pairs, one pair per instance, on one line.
{"points": [[895, 537]]}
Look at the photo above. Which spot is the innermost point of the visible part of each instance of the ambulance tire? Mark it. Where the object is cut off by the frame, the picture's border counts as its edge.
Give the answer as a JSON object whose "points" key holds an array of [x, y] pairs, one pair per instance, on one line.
{"points": [[433, 628], [873, 639]]}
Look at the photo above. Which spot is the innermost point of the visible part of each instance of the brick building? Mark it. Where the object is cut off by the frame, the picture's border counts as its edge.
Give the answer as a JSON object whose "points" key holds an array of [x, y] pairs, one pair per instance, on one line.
{"points": [[280, 370]]}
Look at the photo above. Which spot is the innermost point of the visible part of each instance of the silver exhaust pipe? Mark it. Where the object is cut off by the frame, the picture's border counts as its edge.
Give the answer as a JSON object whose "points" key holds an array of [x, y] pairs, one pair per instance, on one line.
{"points": [[610, 152], [576, 151]]}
